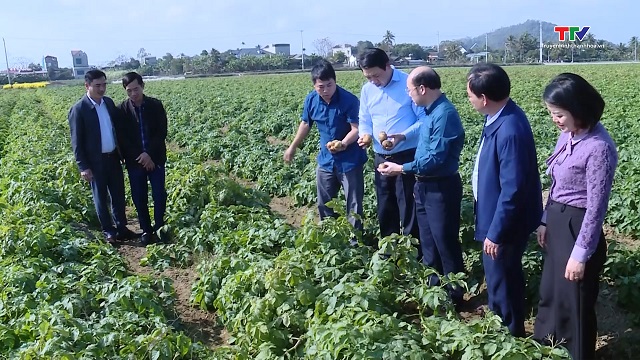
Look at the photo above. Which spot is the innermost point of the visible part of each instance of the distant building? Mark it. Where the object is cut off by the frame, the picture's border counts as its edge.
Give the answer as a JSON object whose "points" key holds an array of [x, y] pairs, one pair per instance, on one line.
{"points": [[352, 61], [346, 49], [256, 51], [475, 57], [272, 49], [278, 49], [406, 61], [434, 57], [149, 60], [50, 63], [80, 63]]}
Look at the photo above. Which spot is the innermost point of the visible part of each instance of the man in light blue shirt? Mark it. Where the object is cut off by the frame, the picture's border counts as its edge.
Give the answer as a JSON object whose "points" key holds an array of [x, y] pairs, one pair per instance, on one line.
{"points": [[386, 107]]}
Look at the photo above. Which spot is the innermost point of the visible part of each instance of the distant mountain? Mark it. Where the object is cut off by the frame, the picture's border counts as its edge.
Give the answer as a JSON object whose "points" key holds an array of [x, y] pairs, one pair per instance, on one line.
{"points": [[497, 38]]}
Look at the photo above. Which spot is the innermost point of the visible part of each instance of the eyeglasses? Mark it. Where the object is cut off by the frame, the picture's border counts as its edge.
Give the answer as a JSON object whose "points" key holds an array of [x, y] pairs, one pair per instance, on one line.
{"points": [[410, 90]]}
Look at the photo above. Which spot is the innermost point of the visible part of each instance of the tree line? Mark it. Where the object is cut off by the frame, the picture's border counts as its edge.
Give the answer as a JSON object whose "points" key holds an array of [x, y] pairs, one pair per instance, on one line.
{"points": [[520, 49]]}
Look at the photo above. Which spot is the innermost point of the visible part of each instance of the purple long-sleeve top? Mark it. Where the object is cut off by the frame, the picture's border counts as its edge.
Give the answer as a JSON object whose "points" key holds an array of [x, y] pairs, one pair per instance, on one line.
{"points": [[582, 169]]}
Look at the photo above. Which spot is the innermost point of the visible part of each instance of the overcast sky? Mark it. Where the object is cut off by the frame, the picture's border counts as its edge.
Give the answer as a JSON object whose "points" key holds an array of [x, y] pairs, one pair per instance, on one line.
{"points": [[107, 29]]}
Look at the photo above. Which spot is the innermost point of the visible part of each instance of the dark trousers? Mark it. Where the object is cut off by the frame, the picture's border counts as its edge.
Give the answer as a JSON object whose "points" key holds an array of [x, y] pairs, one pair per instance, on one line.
{"points": [[138, 177], [396, 205], [107, 188], [438, 202], [328, 184], [505, 283], [566, 311]]}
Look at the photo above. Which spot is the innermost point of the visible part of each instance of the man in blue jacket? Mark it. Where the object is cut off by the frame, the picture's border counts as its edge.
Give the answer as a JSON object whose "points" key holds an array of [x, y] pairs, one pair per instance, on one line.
{"points": [[507, 191]]}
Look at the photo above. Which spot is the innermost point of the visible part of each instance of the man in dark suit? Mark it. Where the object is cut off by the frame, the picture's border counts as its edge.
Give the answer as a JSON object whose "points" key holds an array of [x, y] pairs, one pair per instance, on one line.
{"points": [[507, 191], [144, 149], [92, 122]]}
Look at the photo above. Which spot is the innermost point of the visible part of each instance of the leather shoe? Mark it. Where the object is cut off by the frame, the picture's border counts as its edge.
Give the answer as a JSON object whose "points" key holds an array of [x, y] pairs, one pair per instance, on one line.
{"points": [[127, 234], [112, 240], [148, 238]]}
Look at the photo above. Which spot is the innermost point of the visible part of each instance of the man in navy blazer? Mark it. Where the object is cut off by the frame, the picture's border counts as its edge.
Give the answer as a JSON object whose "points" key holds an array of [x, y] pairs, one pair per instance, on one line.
{"points": [[93, 121], [507, 191]]}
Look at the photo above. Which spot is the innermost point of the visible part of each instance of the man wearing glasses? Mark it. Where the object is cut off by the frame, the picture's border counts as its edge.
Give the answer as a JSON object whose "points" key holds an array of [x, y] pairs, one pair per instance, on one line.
{"points": [[438, 188], [391, 121]]}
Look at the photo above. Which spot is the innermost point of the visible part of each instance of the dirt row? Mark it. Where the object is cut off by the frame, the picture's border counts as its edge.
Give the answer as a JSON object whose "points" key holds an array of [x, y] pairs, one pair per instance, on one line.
{"points": [[617, 337]]}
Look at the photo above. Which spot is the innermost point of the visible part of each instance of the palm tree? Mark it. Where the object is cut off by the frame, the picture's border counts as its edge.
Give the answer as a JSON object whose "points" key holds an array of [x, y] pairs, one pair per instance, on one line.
{"points": [[633, 43], [621, 51], [590, 39], [511, 44], [388, 39], [452, 51], [526, 43]]}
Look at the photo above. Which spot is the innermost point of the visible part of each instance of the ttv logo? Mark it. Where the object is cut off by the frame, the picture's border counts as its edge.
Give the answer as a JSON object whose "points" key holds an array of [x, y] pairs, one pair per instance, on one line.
{"points": [[574, 32]]}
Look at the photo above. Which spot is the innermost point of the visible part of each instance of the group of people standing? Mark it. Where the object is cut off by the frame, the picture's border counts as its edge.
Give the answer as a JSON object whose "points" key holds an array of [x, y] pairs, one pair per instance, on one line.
{"points": [[103, 136], [417, 137]]}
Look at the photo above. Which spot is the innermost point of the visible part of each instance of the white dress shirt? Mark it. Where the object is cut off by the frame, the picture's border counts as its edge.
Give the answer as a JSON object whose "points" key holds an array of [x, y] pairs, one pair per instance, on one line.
{"points": [[474, 176], [106, 127]]}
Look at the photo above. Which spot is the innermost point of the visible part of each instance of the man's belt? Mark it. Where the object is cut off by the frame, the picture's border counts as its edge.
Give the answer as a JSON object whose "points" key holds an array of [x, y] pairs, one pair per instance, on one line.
{"points": [[423, 178]]}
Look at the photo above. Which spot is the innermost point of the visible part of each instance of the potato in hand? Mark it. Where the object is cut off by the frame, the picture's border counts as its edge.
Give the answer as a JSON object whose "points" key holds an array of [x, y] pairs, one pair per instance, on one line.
{"points": [[367, 139], [387, 144], [335, 145], [382, 136]]}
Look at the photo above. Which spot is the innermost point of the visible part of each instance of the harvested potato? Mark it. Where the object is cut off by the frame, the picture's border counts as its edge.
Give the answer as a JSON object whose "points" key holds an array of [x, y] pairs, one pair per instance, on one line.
{"points": [[382, 136], [366, 139], [387, 144], [335, 145]]}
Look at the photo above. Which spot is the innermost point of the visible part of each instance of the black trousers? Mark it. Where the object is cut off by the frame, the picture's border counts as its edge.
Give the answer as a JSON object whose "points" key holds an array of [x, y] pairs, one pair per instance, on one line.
{"points": [[396, 205], [566, 311], [505, 283], [438, 202], [107, 188]]}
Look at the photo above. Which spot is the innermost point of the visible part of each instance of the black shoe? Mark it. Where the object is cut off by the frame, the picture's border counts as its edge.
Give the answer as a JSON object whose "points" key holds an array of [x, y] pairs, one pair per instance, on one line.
{"points": [[148, 238], [127, 234], [111, 240]]}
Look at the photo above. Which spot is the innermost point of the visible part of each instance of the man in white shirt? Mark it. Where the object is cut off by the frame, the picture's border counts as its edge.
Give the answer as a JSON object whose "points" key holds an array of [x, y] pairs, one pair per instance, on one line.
{"points": [[92, 122]]}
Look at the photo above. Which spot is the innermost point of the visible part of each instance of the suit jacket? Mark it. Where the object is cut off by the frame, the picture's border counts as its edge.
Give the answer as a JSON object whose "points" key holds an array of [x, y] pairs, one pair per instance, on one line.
{"points": [[84, 125], [509, 205], [154, 120]]}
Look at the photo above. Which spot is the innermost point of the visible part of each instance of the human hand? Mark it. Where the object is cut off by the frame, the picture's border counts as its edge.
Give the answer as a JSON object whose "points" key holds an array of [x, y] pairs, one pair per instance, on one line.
{"points": [[289, 154], [574, 270], [335, 146], [388, 168], [365, 141], [87, 175], [392, 141], [145, 160], [490, 248], [541, 234]]}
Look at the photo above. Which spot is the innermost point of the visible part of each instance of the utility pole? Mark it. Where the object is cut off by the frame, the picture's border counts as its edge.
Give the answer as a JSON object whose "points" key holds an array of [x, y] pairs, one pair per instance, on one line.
{"points": [[302, 44], [635, 50], [438, 46], [486, 47], [7, 60], [540, 41]]}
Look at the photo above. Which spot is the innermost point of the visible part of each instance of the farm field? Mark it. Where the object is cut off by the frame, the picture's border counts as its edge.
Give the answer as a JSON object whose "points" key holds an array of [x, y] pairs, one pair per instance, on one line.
{"points": [[250, 273]]}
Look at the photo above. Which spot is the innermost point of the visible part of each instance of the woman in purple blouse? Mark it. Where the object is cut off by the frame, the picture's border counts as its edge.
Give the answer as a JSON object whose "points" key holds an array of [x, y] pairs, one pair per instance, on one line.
{"points": [[581, 168]]}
